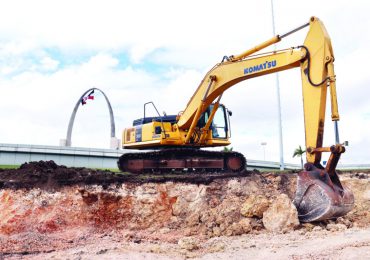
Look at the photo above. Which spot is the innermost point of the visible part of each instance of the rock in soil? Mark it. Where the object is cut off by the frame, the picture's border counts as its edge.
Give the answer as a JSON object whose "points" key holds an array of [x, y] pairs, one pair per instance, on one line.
{"points": [[281, 216], [255, 206]]}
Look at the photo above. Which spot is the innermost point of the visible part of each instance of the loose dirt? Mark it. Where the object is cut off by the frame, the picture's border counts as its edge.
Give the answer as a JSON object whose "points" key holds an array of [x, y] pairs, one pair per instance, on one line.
{"points": [[50, 176], [54, 212]]}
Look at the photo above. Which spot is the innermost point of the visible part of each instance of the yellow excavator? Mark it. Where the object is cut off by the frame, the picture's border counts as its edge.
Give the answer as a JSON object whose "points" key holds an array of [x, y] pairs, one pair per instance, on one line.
{"points": [[175, 140]]}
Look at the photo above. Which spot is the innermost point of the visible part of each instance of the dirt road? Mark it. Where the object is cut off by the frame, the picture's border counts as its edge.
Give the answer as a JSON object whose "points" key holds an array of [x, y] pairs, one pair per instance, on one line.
{"points": [[320, 244]]}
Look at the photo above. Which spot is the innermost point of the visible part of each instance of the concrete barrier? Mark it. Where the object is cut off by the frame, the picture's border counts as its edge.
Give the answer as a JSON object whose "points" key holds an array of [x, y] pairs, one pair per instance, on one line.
{"points": [[17, 154]]}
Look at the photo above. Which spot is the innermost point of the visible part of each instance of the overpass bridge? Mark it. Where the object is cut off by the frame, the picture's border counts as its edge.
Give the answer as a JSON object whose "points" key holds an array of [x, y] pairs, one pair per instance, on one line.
{"points": [[17, 154]]}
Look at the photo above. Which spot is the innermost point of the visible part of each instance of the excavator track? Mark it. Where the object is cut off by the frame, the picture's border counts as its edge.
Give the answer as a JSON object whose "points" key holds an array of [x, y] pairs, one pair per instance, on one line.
{"points": [[184, 160]]}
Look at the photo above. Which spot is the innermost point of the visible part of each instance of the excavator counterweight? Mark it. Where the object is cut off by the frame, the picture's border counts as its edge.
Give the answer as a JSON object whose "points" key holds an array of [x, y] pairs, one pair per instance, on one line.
{"points": [[178, 139]]}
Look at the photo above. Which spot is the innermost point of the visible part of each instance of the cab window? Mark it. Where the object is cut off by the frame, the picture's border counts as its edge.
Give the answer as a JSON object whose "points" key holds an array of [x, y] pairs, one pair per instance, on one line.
{"points": [[219, 125]]}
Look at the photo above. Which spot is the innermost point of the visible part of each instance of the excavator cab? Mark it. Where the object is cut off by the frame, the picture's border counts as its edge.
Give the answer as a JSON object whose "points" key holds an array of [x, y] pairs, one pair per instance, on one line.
{"points": [[220, 125]]}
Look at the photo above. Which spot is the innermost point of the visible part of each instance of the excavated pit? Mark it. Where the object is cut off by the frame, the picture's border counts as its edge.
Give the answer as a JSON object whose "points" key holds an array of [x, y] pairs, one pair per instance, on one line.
{"points": [[46, 207]]}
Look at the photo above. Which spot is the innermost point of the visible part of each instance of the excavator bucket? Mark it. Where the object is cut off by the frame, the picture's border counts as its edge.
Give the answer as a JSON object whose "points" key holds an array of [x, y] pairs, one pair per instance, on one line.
{"points": [[320, 195]]}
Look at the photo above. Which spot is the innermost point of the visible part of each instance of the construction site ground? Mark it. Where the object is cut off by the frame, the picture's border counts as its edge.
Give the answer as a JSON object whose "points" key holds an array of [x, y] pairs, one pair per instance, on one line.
{"points": [[54, 212]]}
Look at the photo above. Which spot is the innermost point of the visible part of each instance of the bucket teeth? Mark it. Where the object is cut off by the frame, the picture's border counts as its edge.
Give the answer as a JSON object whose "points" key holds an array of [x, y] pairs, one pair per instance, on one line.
{"points": [[321, 196]]}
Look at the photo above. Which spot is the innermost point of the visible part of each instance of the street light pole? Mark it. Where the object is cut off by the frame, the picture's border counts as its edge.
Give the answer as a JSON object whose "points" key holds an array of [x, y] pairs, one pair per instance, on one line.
{"points": [[278, 98]]}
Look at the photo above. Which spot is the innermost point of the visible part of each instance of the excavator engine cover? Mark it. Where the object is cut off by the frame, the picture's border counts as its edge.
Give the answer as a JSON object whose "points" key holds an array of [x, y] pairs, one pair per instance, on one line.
{"points": [[320, 195]]}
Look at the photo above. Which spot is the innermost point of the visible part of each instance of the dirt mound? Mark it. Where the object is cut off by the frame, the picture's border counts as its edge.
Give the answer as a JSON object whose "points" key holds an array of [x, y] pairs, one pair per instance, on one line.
{"points": [[40, 166], [69, 207], [48, 175]]}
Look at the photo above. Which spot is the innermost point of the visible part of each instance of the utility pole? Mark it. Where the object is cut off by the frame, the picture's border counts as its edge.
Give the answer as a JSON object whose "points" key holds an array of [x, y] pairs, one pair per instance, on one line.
{"points": [[278, 97]]}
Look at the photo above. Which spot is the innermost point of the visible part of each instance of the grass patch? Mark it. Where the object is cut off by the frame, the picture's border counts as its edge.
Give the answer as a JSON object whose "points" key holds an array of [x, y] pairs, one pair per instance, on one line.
{"points": [[108, 169], [9, 166]]}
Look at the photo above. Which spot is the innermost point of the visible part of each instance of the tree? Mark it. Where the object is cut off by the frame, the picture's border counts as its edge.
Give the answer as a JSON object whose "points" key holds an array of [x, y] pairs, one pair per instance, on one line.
{"points": [[299, 152], [226, 149]]}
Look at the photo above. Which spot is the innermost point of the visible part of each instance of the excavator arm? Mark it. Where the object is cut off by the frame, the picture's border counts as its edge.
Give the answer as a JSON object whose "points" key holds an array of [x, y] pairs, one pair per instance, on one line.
{"points": [[226, 74], [320, 195], [315, 59]]}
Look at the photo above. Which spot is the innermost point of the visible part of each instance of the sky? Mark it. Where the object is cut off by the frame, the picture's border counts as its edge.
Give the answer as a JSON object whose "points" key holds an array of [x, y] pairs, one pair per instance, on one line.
{"points": [[138, 51]]}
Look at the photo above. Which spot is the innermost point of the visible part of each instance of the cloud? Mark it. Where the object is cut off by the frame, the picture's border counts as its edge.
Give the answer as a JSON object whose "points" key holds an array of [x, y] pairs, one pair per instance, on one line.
{"points": [[140, 51], [49, 64]]}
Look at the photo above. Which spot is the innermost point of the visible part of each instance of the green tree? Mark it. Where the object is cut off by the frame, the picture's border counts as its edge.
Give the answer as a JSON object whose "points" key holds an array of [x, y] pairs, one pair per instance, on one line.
{"points": [[226, 149], [299, 152]]}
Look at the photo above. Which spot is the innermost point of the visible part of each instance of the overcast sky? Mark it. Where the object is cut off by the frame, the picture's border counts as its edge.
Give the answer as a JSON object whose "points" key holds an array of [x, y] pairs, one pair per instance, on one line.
{"points": [[139, 51]]}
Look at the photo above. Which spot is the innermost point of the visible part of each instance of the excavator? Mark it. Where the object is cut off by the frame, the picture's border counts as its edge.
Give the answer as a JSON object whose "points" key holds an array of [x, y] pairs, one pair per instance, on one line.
{"points": [[175, 140]]}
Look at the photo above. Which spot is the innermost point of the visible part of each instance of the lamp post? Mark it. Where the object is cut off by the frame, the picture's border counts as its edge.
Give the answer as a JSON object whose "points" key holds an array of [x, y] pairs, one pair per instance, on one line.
{"points": [[278, 98]]}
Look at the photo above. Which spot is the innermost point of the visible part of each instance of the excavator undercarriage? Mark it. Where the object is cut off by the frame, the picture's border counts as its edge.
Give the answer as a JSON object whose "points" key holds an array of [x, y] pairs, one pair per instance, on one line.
{"points": [[184, 160]]}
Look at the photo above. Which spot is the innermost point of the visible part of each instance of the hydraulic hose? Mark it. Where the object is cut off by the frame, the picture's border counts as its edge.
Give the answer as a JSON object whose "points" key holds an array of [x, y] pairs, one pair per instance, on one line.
{"points": [[308, 68]]}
